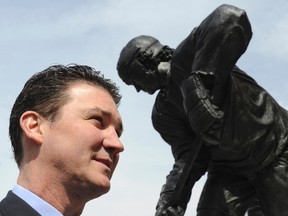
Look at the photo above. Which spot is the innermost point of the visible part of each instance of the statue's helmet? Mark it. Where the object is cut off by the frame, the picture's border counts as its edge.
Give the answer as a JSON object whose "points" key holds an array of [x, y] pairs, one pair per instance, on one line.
{"points": [[139, 55]]}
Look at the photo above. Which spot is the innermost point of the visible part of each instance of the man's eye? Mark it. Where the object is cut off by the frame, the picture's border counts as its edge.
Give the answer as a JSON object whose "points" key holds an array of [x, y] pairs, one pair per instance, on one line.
{"points": [[98, 120]]}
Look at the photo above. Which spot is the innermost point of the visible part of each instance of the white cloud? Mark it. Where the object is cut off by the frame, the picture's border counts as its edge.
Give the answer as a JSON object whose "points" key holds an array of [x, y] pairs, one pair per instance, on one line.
{"points": [[275, 39]]}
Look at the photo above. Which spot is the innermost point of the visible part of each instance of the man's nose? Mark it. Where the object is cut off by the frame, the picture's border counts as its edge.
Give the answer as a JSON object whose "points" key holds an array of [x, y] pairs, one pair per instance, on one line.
{"points": [[113, 142]]}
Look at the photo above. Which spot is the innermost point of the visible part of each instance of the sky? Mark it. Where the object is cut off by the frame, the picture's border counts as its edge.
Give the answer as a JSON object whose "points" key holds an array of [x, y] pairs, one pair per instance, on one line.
{"points": [[36, 34]]}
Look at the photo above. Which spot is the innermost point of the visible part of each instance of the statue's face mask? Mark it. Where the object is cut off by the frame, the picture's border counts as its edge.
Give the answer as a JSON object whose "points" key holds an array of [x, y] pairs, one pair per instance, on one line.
{"points": [[138, 63], [144, 74], [144, 69]]}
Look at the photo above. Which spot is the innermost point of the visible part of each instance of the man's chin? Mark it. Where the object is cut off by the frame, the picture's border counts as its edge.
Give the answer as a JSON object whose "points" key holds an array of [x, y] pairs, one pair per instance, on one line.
{"points": [[102, 189]]}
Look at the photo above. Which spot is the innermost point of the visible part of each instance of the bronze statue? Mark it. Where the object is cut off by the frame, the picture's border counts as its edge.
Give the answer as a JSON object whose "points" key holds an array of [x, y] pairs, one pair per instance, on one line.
{"points": [[215, 117]]}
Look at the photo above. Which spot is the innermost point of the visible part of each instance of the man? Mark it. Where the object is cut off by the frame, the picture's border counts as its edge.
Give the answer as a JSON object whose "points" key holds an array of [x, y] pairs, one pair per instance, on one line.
{"points": [[215, 117], [65, 129]]}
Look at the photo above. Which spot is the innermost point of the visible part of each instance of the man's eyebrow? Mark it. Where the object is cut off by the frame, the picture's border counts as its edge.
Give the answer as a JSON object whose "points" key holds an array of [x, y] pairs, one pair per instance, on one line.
{"points": [[99, 110], [118, 121]]}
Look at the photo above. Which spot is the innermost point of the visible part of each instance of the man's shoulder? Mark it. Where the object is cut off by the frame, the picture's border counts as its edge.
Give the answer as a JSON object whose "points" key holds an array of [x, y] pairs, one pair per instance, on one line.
{"points": [[4, 204], [5, 200], [12, 205]]}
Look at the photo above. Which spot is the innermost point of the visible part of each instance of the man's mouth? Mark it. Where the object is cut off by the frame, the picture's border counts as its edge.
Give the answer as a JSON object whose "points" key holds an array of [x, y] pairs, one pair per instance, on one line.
{"points": [[106, 161]]}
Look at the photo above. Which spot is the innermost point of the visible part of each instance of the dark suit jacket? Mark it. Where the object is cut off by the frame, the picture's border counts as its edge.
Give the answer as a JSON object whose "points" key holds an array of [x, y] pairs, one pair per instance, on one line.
{"points": [[12, 205]]}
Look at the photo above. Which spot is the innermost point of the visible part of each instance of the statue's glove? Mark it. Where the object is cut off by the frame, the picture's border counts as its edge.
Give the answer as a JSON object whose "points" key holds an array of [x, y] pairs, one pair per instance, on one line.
{"points": [[170, 211], [203, 115], [163, 209]]}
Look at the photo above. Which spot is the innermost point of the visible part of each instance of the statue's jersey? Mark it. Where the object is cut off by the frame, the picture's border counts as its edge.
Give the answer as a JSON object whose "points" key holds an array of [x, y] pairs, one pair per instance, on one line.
{"points": [[253, 132]]}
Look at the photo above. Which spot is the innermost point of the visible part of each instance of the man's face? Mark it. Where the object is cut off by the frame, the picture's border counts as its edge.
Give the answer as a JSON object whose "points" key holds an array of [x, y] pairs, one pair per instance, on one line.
{"points": [[82, 145]]}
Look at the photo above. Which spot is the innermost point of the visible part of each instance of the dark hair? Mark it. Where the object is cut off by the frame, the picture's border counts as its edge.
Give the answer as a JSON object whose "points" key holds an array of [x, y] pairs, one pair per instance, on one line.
{"points": [[45, 93]]}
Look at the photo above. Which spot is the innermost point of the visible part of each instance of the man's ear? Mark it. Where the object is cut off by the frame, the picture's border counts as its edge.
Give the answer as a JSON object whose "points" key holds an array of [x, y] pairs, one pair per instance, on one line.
{"points": [[30, 122]]}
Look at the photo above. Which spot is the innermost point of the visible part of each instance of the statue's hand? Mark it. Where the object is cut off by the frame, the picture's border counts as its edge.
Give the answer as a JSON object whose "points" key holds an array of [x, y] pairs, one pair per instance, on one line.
{"points": [[202, 113], [170, 211], [175, 211], [212, 136], [163, 208], [162, 204]]}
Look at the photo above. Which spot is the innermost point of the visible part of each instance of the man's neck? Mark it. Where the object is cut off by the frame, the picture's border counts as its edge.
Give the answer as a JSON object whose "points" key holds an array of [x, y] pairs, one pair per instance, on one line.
{"points": [[55, 195]]}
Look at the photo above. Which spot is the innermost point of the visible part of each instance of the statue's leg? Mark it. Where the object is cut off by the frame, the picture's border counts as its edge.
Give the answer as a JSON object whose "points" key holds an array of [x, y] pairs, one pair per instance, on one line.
{"points": [[212, 201], [272, 186], [228, 194]]}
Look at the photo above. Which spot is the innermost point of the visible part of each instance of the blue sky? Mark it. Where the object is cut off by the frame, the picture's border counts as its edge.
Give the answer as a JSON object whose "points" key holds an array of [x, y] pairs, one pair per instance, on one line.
{"points": [[36, 34]]}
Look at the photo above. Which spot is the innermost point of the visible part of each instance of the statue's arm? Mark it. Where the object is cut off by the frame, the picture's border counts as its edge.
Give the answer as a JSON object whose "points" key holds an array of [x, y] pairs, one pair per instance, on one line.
{"points": [[199, 169], [219, 41], [176, 132]]}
